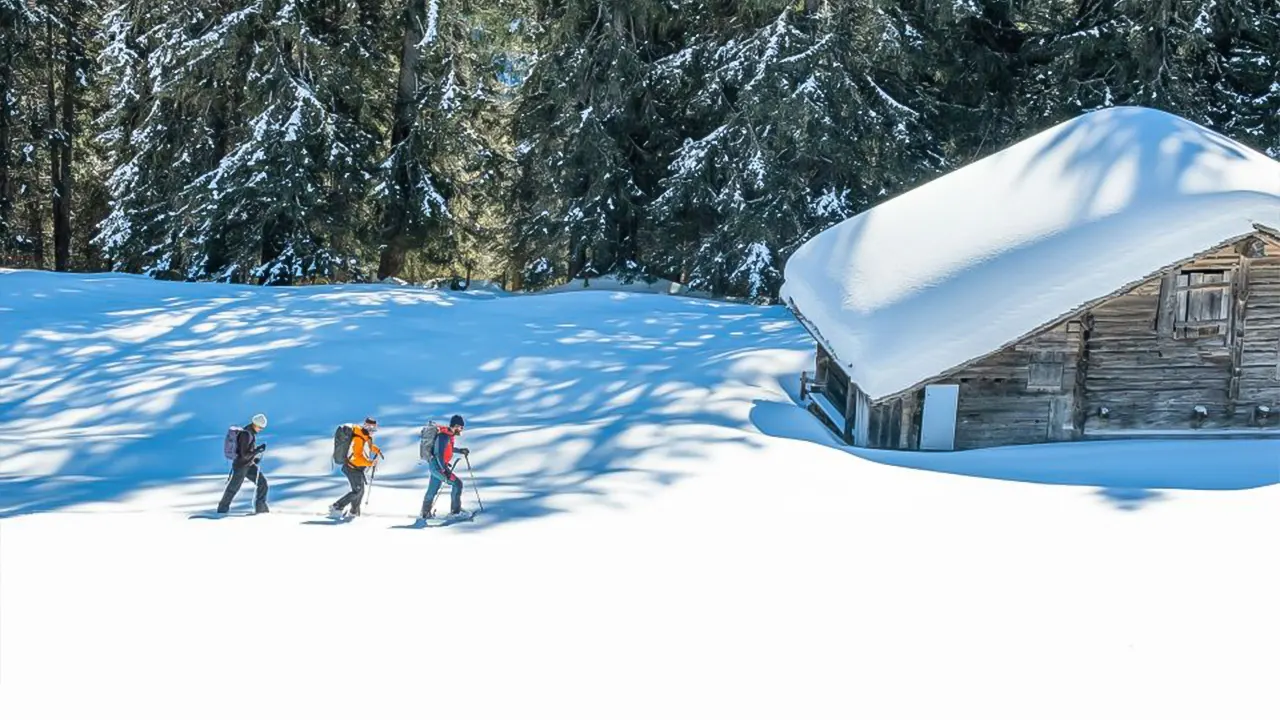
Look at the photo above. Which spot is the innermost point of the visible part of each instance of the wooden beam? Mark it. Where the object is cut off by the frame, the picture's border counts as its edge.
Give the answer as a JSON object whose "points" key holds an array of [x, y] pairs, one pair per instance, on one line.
{"points": [[1166, 310], [1236, 330], [850, 409], [1079, 398], [908, 411]]}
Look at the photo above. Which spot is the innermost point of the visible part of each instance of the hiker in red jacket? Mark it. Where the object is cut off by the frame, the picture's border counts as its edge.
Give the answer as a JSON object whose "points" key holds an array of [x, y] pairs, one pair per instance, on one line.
{"points": [[442, 471]]}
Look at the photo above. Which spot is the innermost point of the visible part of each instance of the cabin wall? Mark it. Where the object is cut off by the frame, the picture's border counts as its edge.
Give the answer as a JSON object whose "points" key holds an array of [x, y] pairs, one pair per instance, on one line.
{"points": [[1145, 374], [1259, 374], [1023, 394]]}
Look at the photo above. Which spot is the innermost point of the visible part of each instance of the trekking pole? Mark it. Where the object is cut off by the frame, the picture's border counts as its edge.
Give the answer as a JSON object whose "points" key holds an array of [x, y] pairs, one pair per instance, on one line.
{"points": [[474, 489], [373, 471]]}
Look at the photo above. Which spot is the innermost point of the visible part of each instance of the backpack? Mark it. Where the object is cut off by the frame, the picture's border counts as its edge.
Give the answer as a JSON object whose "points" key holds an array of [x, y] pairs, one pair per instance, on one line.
{"points": [[229, 442], [342, 438], [427, 440]]}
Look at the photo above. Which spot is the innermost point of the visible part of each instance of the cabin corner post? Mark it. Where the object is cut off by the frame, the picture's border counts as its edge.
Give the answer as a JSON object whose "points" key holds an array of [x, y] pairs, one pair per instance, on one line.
{"points": [[1080, 392], [906, 423], [850, 412], [1166, 311]]}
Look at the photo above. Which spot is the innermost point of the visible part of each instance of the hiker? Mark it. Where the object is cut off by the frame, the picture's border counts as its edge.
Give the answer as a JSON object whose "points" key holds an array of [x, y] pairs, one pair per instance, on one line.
{"points": [[245, 464], [361, 458], [441, 471]]}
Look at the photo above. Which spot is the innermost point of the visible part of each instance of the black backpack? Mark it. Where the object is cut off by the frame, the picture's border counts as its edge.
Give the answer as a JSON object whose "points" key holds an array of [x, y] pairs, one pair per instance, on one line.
{"points": [[342, 438]]}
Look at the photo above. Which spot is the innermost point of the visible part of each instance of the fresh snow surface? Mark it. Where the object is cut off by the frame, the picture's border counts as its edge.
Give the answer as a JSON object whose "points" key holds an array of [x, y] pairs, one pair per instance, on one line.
{"points": [[666, 533], [971, 261]]}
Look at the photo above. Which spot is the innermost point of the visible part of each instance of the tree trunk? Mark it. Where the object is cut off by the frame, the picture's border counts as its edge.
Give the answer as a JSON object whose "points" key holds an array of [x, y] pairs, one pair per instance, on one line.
{"points": [[52, 134], [392, 261], [406, 110], [35, 231], [66, 135], [6, 140]]}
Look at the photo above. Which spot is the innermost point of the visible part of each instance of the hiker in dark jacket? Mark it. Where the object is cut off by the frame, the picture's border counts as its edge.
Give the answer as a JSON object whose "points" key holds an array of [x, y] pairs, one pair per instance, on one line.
{"points": [[245, 465], [442, 471]]}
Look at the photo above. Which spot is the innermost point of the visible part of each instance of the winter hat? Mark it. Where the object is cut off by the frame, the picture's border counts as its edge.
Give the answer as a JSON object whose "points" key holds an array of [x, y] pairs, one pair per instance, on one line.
{"points": [[371, 423], [456, 420], [260, 420]]}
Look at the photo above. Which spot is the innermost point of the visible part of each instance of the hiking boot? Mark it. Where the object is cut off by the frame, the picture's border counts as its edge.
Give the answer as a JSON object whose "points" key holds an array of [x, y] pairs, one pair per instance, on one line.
{"points": [[334, 512]]}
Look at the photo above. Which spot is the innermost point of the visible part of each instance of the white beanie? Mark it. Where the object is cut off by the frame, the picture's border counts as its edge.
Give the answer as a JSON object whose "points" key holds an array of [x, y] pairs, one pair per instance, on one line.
{"points": [[260, 420]]}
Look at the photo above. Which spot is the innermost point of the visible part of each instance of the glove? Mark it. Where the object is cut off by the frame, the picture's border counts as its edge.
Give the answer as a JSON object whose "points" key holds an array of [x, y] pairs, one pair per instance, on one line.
{"points": [[260, 449], [462, 451]]}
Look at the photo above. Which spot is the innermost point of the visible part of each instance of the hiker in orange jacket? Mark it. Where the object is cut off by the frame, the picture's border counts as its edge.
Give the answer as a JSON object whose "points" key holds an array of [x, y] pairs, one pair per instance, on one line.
{"points": [[362, 457]]}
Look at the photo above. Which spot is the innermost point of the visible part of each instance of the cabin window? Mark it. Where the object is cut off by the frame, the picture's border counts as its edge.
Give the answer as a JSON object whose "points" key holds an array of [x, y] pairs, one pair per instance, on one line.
{"points": [[1045, 376], [1202, 304]]}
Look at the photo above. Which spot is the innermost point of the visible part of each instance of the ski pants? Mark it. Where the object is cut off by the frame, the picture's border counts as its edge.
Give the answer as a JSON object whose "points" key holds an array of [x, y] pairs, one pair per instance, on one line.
{"points": [[356, 477], [455, 491], [238, 475]]}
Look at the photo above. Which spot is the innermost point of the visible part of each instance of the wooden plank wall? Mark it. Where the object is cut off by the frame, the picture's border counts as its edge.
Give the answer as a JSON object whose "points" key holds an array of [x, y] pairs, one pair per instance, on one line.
{"points": [[997, 404], [1150, 379], [1259, 352]]}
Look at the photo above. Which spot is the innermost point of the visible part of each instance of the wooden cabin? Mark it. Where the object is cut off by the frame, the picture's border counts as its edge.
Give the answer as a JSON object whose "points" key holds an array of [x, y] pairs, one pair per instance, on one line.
{"points": [[1183, 348], [1191, 350]]}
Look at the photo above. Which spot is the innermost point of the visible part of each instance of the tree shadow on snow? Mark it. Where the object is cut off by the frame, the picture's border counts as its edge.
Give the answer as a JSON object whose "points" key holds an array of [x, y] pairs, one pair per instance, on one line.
{"points": [[127, 388]]}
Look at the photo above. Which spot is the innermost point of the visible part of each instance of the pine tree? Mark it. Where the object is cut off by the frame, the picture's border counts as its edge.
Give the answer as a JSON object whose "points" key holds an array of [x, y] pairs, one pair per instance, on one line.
{"points": [[1245, 93], [447, 139], [17, 25], [589, 144], [807, 130], [273, 207]]}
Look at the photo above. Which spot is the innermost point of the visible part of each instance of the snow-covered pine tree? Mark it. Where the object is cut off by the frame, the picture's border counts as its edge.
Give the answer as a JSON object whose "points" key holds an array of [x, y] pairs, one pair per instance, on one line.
{"points": [[590, 141], [134, 233], [276, 207], [18, 24], [46, 79], [805, 134], [1245, 92], [247, 150], [449, 131]]}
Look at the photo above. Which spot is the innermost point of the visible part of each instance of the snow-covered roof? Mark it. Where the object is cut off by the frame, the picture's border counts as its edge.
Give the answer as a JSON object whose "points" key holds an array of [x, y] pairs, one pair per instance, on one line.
{"points": [[963, 265]]}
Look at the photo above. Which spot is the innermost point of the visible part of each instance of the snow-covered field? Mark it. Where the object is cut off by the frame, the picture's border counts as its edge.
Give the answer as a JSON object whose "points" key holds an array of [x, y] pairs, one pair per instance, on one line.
{"points": [[666, 534]]}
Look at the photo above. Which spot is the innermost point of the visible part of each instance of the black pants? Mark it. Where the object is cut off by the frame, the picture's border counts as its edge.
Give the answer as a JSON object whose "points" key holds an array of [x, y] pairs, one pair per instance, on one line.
{"points": [[238, 475], [355, 476]]}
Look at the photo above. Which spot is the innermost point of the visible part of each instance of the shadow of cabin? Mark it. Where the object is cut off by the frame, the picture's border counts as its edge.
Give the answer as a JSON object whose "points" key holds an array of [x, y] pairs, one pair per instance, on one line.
{"points": [[1190, 350]]}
